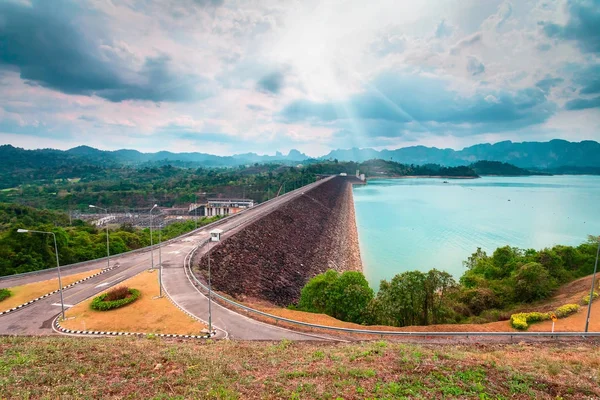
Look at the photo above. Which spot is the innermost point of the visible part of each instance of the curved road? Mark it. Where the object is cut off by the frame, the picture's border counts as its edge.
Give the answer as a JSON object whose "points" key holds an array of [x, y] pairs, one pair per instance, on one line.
{"points": [[36, 319]]}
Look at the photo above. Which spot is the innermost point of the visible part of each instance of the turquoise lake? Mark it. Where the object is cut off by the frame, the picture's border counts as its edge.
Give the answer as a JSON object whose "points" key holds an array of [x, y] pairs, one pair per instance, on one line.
{"points": [[408, 224]]}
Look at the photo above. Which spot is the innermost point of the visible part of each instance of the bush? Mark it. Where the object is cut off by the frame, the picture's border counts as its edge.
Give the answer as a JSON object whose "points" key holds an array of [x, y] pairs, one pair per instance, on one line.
{"points": [[586, 299], [118, 293], [518, 321], [522, 320], [566, 310], [5, 293], [100, 303]]}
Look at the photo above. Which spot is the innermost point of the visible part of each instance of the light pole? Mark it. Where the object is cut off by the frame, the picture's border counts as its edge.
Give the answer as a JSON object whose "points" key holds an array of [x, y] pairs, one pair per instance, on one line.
{"points": [[151, 243], [62, 303], [215, 236], [587, 320], [160, 261], [107, 243]]}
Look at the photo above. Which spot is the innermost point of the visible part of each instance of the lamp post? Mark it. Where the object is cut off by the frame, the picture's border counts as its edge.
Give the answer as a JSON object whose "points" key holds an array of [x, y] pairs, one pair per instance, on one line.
{"points": [[160, 261], [589, 310], [60, 289], [151, 243], [107, 243], [215, 236], [195, 211]]}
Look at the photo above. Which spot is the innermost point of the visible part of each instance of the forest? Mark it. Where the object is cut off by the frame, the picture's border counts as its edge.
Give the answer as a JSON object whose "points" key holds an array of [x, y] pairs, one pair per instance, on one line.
{"points": [[77, 241], [491, 287]]}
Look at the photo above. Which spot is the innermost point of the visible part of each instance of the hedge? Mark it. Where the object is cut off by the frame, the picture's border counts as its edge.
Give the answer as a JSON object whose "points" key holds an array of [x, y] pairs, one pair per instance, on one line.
{"points": [[566, 310], [586, 299], [4, 294], [99, 304], [521, 321]]}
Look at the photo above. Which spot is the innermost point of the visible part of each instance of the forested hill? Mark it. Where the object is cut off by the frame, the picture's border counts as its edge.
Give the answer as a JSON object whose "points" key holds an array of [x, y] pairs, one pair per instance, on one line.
{"points": [[498, 168], [539, 155]]}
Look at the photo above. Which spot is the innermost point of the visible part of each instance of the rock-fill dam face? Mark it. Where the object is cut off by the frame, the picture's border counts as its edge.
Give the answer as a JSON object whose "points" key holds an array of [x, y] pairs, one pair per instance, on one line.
{"points": [[272, 258]]}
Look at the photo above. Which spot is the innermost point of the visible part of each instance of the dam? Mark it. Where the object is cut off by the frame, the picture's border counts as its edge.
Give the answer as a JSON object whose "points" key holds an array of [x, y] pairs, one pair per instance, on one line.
{"points": [[272, 258]]}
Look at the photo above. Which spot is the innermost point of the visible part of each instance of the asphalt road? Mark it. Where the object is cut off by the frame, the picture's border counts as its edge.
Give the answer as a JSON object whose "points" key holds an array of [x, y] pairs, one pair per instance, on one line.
{"points": [[37, 318]]}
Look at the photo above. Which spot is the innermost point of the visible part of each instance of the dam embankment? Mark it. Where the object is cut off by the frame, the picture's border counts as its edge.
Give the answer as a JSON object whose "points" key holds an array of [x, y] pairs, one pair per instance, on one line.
{"points": [[273, 258]]}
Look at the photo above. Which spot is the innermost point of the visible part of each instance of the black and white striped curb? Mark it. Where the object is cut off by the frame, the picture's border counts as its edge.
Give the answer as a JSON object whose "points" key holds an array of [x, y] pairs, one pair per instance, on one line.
{"points": [[54, 292], [137, 334]]}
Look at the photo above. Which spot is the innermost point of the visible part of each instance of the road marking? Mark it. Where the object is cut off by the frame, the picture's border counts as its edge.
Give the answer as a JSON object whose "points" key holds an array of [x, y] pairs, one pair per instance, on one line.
{"points": [[66, 305]]}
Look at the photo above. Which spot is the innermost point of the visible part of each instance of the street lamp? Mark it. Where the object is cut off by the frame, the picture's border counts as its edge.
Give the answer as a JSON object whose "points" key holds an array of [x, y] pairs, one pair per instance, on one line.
{"points": [[160, 261], [62, 303], [587, 320], [107, 244], [195, 211], [215, 236], [152, 244]]}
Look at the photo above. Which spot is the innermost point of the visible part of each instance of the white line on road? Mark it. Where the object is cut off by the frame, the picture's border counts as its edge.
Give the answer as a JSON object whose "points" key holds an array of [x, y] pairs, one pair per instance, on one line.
{"points": [[66, 305]]}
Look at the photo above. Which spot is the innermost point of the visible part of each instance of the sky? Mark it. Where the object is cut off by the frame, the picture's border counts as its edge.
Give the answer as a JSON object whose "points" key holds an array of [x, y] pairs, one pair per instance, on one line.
{"points": [[231, 76]]}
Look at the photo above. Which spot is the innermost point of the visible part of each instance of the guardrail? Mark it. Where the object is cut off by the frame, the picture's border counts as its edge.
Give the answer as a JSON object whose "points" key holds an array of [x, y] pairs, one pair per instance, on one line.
{"points": [[166, 242], [369, 331]]}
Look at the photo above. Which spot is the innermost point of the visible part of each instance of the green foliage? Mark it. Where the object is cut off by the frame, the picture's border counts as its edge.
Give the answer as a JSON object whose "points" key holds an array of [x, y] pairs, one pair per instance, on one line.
{"points": [[343, 296], [533, 282], [566, 310], [4, 294], [100, 303], [514, 276], [80, 242], [586, 299]]}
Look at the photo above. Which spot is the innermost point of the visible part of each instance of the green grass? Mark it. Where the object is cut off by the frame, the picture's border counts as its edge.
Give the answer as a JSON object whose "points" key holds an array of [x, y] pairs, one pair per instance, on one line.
{"points": [[168, 369]]}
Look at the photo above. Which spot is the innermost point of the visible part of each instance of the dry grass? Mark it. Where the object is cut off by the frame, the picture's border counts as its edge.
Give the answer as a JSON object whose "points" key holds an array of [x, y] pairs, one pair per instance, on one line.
{"points": [[146, 314], [23, 294], [114, 368]]}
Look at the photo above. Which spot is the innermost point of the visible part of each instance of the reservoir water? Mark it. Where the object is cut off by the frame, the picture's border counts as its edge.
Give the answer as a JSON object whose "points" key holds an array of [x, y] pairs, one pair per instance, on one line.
{"points": [[421, 223]]}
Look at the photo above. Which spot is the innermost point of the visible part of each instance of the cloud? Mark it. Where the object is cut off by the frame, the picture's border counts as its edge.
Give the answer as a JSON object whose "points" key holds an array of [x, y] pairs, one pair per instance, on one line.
{"points": [[474, 66], [443, 29], [583, 25], [389, 44], [497, 20], [548, 83], [466, 42], [45, 43], [582, 104], [589, 79], [415, 100], [206, 3], [271, 83]]}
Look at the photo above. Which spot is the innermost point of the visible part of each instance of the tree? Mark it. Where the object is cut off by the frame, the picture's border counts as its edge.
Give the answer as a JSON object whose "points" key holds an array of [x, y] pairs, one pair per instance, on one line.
{"points": [[533, 282], [349, 297], [343, 296]]}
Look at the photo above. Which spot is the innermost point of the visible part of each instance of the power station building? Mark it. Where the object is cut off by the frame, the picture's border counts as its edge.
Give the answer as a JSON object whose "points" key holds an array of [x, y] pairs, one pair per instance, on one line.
{"points": [[226, 206]]}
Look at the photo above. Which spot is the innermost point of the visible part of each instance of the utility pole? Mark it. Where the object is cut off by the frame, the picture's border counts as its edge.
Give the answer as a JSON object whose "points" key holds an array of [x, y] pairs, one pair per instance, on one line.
{"points": [[151, 243], [589, 310], [160, 294]]}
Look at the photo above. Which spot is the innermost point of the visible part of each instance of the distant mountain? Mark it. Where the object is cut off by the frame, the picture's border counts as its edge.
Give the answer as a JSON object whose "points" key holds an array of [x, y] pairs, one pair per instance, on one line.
{"points": [[529, 155]]}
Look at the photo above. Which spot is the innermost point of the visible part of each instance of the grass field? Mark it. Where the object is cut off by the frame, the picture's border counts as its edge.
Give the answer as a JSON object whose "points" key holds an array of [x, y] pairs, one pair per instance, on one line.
{"points": [[112, 368], [146, 314], [23, 294]]}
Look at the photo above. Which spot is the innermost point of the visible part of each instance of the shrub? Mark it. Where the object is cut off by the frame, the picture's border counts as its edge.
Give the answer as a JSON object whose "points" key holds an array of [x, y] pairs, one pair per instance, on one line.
{"points": [[100, 303], [4, 294], [522, 320], [118, 293], [566, 310], [518, 321], [586, 299]]}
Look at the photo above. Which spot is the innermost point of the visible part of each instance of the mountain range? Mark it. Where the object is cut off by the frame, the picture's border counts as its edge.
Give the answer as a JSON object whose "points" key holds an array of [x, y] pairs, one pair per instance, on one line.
{"points": [[555, 155]]}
